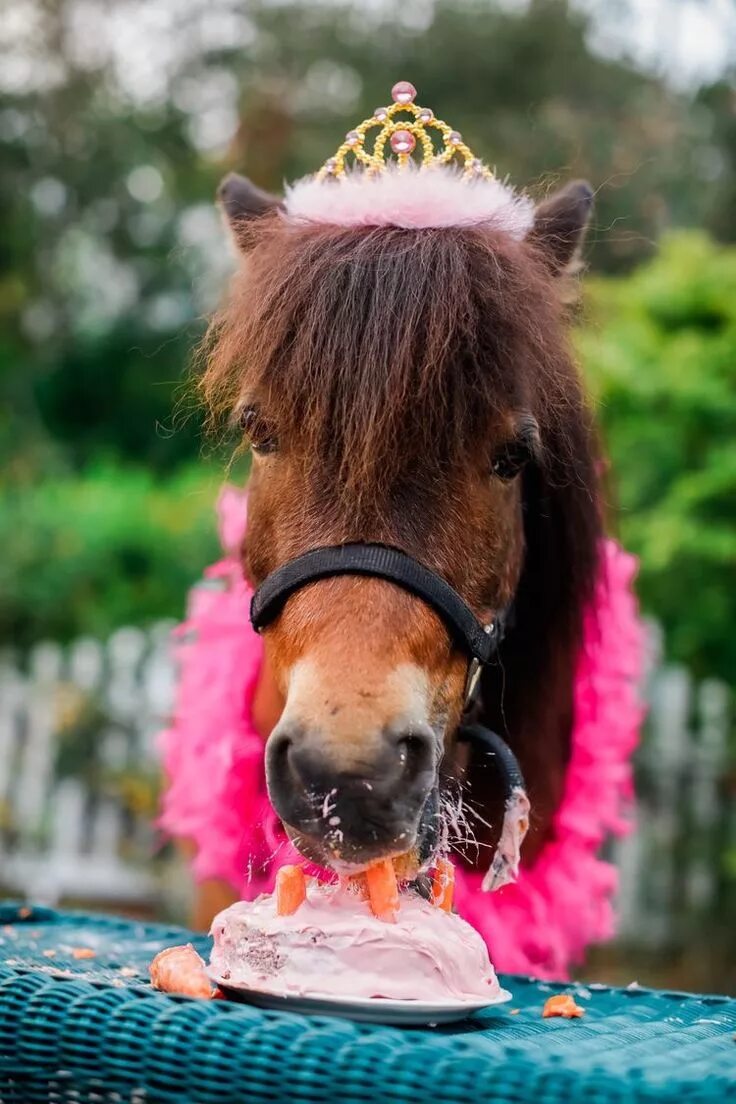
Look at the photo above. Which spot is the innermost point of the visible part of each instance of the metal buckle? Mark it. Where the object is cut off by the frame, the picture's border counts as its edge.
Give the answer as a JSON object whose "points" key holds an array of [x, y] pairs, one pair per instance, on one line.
{"points": [[474, 670], [471, 682]]}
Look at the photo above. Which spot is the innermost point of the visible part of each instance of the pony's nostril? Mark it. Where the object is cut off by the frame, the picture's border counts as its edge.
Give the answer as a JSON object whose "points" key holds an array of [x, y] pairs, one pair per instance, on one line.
{"points": [[278, 751], [279, 745], [416, 750]]}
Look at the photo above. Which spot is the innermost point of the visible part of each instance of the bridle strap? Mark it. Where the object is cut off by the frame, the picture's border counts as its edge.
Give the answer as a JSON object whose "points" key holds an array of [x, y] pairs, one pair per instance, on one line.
{"points": [[490, 744], [381, 562]]}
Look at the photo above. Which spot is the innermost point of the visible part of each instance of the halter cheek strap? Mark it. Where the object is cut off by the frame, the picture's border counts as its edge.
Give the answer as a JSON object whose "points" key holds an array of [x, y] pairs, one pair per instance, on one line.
{"points": [[382, 562]]}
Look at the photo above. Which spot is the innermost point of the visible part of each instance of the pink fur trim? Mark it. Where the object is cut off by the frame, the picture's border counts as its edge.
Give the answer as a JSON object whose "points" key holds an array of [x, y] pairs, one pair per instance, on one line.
{"points": [[217, 798], [212, 755], [543, 923], [411, 198]]}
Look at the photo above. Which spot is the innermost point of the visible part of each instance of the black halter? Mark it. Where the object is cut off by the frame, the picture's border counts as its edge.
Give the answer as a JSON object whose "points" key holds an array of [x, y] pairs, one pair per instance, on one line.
{"points": [[479, 641]]}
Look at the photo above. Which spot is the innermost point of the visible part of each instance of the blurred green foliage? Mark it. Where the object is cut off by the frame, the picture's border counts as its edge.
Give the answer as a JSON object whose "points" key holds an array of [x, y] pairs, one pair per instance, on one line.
{"points": [[660, 353], [111, 546]]}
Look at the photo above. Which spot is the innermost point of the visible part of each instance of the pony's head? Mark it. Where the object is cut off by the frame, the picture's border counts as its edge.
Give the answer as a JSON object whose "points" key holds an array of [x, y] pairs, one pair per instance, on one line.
{"points": [[412, 386]]}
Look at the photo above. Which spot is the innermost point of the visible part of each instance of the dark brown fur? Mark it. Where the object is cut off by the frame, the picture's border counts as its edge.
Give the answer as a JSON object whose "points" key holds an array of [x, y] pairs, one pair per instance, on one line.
{"points": [[393, 365]]}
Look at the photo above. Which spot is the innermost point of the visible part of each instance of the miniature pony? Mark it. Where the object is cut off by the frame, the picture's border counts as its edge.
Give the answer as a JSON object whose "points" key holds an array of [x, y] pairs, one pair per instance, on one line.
{"points": [[394, 348]]}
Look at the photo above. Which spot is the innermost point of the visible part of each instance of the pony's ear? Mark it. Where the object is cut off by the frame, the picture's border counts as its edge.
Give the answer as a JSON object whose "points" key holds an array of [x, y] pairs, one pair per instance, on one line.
{"points": [[242, 202], [560, 223]]}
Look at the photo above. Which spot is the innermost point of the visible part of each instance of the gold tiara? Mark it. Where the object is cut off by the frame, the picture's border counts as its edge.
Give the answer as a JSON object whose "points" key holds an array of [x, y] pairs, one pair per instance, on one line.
{"points": [[403, 136]]}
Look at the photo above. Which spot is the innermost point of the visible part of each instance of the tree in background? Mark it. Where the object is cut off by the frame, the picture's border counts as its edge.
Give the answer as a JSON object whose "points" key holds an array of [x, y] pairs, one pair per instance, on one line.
{"points": [[660, 350]]}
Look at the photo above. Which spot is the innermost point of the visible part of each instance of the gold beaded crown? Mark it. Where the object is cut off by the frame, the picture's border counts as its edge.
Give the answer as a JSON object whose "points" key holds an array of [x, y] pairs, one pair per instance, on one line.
{"points": [[403, 135]]}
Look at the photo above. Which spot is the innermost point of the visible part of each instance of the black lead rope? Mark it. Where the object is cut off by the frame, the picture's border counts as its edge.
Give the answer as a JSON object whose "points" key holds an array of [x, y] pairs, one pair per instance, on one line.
{"points": [[504, 865], [381, 562], [484, 740]]}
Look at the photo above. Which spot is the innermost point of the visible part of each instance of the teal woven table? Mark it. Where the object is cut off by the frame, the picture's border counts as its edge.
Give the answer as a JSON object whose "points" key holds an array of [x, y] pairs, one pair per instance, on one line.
{"points": [[91, 1029]]}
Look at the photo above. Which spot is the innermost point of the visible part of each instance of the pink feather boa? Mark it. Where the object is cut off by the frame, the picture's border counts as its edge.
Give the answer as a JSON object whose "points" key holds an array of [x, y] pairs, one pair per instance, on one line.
{"points": [[216, 794]]}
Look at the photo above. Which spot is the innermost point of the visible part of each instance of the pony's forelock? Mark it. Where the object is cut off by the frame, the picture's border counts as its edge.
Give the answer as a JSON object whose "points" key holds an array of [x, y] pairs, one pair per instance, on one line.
{"points": [[389, 351]]}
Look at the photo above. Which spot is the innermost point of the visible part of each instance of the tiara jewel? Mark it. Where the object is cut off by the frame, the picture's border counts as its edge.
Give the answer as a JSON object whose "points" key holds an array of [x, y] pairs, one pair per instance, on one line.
{"points": [[403, 136]]}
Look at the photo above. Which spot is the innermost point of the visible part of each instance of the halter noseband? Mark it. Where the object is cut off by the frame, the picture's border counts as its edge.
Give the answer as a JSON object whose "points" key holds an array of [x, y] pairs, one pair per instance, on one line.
{"points": [[380, 561]]}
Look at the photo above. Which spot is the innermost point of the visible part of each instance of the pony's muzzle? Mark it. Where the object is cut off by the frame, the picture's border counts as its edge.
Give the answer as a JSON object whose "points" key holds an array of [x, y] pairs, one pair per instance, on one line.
{"points": [[352, 806]]}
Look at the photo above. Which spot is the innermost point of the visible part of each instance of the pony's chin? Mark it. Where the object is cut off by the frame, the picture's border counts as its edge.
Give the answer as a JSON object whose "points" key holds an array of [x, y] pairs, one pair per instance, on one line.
{"points": [[411, 857]]}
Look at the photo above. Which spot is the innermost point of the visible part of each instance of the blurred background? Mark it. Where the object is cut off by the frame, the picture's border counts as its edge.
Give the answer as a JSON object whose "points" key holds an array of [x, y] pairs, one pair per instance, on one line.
{"points": [[117, 120]]}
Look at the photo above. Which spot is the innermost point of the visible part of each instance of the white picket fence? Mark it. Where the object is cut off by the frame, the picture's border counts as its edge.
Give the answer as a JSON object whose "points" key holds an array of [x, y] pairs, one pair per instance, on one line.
{"points": [[60, 835], [69, 833], [673, 868]]}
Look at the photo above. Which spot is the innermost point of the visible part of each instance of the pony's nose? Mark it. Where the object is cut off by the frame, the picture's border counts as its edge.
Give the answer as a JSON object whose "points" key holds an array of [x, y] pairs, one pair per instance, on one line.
{"points": [[374, 791], [400, 758]]}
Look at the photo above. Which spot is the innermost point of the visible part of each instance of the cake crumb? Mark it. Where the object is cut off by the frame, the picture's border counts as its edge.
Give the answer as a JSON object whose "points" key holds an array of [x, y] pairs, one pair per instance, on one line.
{"points": [[514, 1011], [562, 1004], [24, 912], [49, 954]]}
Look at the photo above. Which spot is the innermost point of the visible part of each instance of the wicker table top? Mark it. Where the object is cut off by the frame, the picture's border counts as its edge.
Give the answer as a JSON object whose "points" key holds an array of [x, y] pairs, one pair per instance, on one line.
{"points": [[92, 1029]]}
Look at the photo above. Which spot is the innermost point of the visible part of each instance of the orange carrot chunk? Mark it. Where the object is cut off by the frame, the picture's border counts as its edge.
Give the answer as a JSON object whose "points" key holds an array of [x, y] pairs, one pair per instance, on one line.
{"points": [[443, 885], [180, 970], [291, 890], [383, 891], [406, 866], [563, 1004]]}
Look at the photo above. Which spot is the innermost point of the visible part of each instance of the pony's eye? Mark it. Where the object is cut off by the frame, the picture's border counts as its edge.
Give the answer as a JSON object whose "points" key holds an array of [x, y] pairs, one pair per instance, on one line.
{"points": [[514, 454], [261, 435], [508, 463]]}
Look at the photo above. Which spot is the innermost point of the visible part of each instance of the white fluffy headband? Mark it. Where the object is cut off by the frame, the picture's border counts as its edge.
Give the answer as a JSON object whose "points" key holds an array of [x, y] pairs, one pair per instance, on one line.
{"points": [[411, 197]]}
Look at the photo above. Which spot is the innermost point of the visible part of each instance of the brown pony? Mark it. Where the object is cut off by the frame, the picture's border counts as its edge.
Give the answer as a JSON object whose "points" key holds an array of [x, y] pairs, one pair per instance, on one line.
{"points": [[412, 387]]}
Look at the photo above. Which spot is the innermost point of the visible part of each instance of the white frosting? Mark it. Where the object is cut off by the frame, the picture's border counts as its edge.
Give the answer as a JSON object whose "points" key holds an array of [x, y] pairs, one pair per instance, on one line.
{"points": [[333, 946]]}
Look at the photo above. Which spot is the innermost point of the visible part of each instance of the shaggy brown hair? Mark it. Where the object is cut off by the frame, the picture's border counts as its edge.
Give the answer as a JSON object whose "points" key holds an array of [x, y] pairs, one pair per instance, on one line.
{"points": [[391, 351]]}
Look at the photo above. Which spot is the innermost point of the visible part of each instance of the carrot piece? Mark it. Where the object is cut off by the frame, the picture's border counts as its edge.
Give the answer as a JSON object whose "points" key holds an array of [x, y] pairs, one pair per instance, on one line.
{"points": [[406, 866], [563, 1004], [180, 970], [383, 892], [291, 890], [443, 885]]}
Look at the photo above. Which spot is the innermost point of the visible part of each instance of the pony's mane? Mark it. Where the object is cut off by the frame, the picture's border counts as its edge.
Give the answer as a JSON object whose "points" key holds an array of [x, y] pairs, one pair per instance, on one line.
{"points": [[391, 350], [390, 354]]}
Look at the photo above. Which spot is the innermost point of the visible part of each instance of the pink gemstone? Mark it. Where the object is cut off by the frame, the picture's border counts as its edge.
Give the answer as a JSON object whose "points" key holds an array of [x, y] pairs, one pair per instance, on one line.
{"points": [[352, 137], [380, 113], [426, 115], [403, 141], [403, 92], [454, 138]]}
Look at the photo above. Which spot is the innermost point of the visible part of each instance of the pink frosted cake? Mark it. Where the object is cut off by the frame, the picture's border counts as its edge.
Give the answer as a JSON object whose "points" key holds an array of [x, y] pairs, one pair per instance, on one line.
{"points": [[333, 946]]}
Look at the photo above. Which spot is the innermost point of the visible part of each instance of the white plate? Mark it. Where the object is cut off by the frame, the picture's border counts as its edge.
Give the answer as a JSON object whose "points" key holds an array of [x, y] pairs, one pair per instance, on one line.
{"points": [[368, 1010]]}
